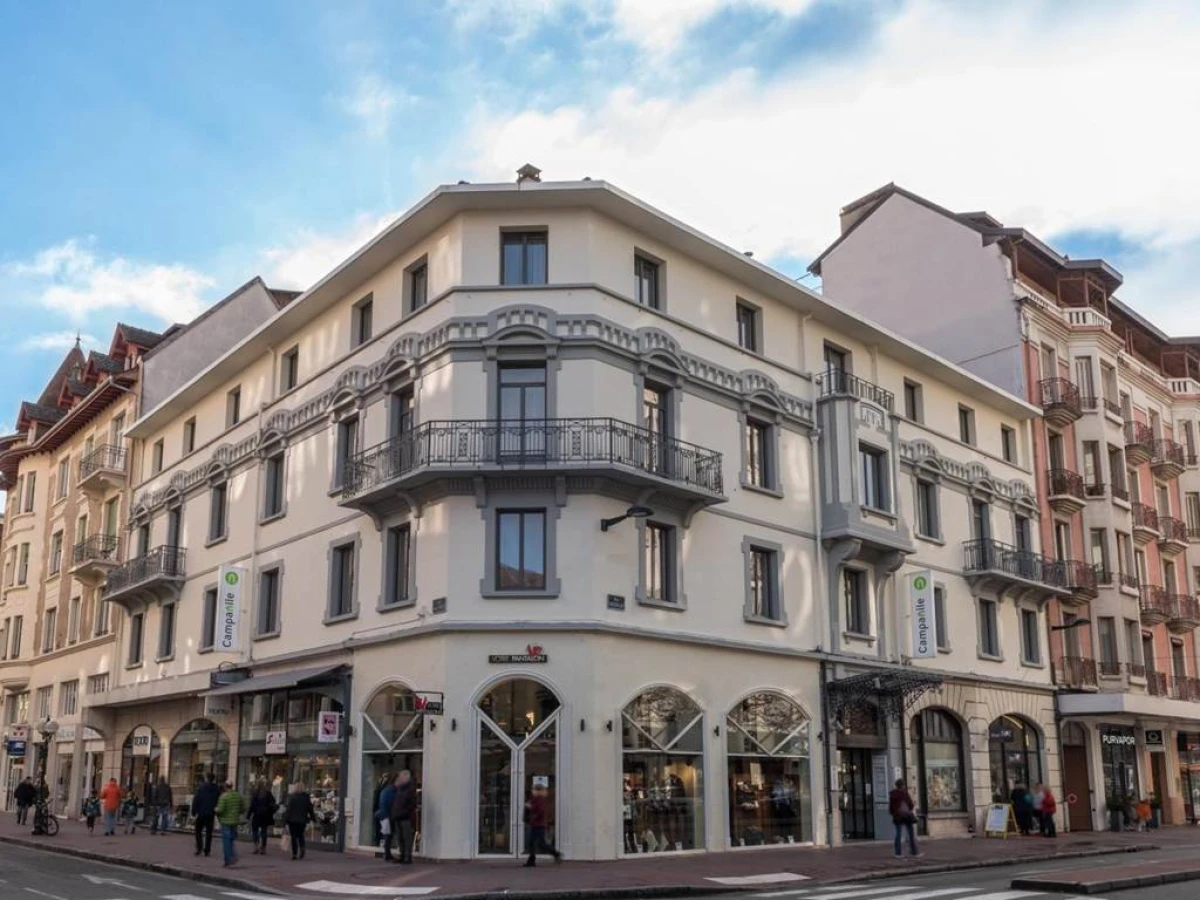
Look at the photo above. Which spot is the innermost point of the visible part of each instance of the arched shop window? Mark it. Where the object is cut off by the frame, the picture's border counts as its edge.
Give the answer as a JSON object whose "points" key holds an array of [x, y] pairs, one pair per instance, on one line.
{"points": [[393, 738], [937, 739], [198, 748], [663, 772], [1014, 748], [770, 797], [141, 755]]}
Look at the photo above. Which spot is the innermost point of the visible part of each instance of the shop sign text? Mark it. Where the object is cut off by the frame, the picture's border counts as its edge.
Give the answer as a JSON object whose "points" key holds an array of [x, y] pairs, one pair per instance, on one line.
{"points": [[924, 615], [1127, 740], [533, 655], [140, 739], [230, 579], [276, 743]]}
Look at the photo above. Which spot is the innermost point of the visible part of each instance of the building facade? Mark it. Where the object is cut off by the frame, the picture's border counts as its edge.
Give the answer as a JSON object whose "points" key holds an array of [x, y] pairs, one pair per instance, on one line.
{"points": [[1115, 454]]}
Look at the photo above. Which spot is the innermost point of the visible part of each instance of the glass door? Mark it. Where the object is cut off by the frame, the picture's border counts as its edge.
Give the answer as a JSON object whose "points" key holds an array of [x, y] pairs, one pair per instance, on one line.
{"points": [[858, 809]]}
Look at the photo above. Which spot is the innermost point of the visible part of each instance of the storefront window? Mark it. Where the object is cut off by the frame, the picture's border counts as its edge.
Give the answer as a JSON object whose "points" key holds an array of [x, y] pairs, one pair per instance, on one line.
{"points": [[770, 799], [937, 738], [393, 737], [663, 772], [1188, 745], [1118, 755], [1015, 752], [141, 755], [198, 748]]}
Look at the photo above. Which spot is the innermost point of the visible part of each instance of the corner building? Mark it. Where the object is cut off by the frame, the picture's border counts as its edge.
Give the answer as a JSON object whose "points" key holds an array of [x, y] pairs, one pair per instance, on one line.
{"points": [[635, 513]]}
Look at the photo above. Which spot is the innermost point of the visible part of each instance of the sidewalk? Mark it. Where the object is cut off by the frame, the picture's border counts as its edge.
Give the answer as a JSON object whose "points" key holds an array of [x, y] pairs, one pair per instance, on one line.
{"points": [[326, 874]]}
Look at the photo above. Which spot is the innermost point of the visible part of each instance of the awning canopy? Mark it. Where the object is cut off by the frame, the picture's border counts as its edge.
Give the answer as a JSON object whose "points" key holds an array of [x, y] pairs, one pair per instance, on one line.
{"points": [[893, 691], [274, 682]]}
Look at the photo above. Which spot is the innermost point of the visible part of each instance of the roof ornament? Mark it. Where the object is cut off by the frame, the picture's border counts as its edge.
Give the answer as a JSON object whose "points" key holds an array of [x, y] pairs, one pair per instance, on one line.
{"points": [[528, 172]]}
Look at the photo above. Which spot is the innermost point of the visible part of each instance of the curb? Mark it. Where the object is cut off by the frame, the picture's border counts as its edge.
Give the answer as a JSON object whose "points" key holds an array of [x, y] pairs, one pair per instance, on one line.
{"points": [[1103, 887]]}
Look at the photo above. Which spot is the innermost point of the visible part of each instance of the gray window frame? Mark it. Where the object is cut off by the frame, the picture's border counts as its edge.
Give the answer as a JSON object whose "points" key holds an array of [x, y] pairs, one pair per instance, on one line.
{"points": [[1008, 444], [233, 406], [344, 450], [389, 578], [218, 512], [992, 621], [746, 309], [420, 266], [275, 572], [275, 458], [857, 607], [188, 441], [917, 411], [769, 427], [209, 603], [772, 553], [350, 606], [942, 626], [507, 236], [922, 484], [521, 514], [655, 298], [519, 501], [156, 456], [677, 599], [289, 369], [165, 635], [879, 461], [966, 425], [362, 321], [135, 653], [1033, 659]]}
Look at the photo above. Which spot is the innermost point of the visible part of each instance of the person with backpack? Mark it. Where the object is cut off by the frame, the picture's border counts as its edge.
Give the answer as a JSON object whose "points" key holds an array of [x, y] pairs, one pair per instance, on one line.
{"points": [[904, 817], [91, 810], [262, 817]]}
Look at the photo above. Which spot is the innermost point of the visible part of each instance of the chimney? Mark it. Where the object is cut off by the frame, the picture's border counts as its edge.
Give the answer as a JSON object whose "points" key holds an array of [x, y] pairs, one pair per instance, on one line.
{"points": [[528, 172]]}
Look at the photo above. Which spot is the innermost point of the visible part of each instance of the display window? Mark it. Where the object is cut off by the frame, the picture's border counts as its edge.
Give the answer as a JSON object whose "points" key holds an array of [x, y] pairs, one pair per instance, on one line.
{"points": [[200, 747], [770, 794], [1118, 757], [141, 756], [937, 739], [393, 740], [663, 772], [1014, 751]]}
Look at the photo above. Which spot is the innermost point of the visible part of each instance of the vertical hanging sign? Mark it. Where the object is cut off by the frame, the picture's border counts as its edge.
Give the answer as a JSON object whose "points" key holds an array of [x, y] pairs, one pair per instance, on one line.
{"points": [[924, 615], [229, 607]]}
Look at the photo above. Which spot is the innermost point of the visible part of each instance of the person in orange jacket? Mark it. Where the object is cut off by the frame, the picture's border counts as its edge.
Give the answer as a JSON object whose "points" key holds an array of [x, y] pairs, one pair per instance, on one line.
{"points": [[110, 802]]}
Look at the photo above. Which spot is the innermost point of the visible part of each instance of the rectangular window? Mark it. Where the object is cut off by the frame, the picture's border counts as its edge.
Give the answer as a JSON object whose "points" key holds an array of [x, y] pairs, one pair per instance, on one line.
{"points": [[520, 550], [1133, 643], [189, 435], [981, 520], [399, 559], [1135, 485], [1124, 554], [659, 554], [1178, 660], [1164, 499], [645, 282], [49, 629], [347, 445], [267, 622], [939, 614], [64, 477], [137, 623], [166, 631], [218, 504], [928, 524], [56, 545], [418, 286], [914, 406], [68, 698], [341, 581], [1031, 644], [44, 696], [100, 623], [116, 430], [273, 486], [1189, 442], [1126, 407], [764, 586], [523, 256], [1108, 377], [4, 637], [23, 565], [966, 424], [748, 327], [1191, 506], [30, 490], [156, 457], [1143, 572], [208, 619], [1062, 540], [836, 359], [759, 468], [98, 684], [402, 414], [1057, 450], [1023, 534], [1008, 444], [1093, 472], [233, 407], [875, 487], [362, 321], [289, 370], [857, 601], [74, 611], [1099, 551], [989, 628], [1084, 380], [14, 637]]}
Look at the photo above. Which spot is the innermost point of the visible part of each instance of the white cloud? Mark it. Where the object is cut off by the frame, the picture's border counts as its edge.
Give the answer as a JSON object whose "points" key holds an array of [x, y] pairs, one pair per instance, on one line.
{"points": [[71, 278], [1053, 117], [307, 256], [373, 102], [56, 340]]}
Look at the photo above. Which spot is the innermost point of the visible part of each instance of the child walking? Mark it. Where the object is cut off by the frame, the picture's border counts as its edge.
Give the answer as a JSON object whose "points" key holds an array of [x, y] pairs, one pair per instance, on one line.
{"points": [[91, 809]]}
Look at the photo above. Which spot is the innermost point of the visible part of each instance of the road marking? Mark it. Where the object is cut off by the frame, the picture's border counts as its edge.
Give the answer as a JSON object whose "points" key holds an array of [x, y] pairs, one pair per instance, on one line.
{"points": [[844, 892], [184, 897], [246, 896], [44, 894], [364, 890], [1009, 895], [916, 895], [769, 878], [96, 879]]}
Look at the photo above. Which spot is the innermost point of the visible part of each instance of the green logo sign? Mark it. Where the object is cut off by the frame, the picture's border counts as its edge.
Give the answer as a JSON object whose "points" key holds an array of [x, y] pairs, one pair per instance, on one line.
{"points": [[920, 582], [231, 578]]}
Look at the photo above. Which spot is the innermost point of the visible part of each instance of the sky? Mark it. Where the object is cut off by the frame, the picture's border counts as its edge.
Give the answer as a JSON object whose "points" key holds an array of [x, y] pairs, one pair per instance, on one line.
{"points": [[155, 156]]}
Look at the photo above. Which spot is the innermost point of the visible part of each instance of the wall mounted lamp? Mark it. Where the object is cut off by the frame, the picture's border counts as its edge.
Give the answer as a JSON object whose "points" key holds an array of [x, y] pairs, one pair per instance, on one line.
{"points": [[634, 512]]}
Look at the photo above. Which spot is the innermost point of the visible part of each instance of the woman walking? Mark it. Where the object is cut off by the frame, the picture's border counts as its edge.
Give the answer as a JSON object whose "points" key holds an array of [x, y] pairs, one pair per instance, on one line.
{"points": [[262, 817], [298, 812]]}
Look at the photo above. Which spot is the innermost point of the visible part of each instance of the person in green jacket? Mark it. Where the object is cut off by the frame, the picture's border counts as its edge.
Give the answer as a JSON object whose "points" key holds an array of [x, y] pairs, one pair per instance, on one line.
{"points": [[231, 807]]}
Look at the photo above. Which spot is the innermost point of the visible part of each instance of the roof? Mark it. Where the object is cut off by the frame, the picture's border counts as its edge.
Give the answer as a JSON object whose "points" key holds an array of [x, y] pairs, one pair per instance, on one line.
{"points": [[274, 681], [447, 201], [73, 358], [102, 362], [39, 412], [139, 336], [177, 330], [283, 298]]}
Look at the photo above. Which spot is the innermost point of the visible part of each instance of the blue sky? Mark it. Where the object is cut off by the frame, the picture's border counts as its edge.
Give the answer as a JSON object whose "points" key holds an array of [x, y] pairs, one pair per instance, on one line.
{"points": [[157, 155]]}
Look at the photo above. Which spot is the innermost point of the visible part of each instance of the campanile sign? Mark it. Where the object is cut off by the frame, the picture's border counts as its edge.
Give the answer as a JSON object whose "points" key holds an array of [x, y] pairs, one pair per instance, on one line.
{"points": [[924, 615], [229, 607]]}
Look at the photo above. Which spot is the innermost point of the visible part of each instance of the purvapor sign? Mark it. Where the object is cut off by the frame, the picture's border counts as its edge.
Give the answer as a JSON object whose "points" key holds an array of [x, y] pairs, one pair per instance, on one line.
{"points": [[229, 607], [924, 615]]}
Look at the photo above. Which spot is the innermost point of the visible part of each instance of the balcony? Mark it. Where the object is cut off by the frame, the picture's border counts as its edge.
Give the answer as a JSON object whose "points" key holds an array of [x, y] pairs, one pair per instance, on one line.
{"points": [[1154, 606], [1145, 523], [840, 383], [156, 575], [1181, 687], [1129, 582], [1082, 578], [92, 559], [1184, 614], [102, 470], [1120, 492], [1135, 670], [1004, 568], [376, 479], [1060, 401], [1156, 683], [1166, 459], [1094, 490], [1075, 672], [1113, 408], [1173, 536], [1066, 490], [1139, 443]]}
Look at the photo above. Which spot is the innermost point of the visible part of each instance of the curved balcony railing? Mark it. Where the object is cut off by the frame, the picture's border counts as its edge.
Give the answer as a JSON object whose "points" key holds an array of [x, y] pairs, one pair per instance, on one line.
{"points": [[1139, 442], [840, 383], [1082, 577], [1145, 517], [1135, 670], [1156, 683], [1167, 455], [987, 556], [1184, 615], [109, 457], [1060, 398], [1063, 484], [1153, 603], [161, 562], [97, 547], [1172, 529], [1075, 672]]}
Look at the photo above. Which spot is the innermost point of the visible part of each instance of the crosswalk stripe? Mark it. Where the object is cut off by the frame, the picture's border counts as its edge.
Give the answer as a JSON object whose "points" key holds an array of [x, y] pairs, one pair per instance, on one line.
{"points": [[183, 897], [1008, 895], [246, 896], [822, 893], [917, 894]]}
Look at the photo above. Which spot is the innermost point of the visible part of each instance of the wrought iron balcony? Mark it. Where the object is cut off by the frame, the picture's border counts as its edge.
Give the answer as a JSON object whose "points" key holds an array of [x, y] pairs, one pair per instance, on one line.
{"points": [[1075, 672], [1112, 407], [1153, 603], [1095, 490], [1139, 443], [1192, 459], [1011, 567], [1089, 402], [1184, 613], [1135, 670], [1082, 578], [1130, 581], [1108, 668], [464, 447], [102, 469], [1145, 523], [1182, 687], [1066, 491], [840, 383], [1105, 577], [1173, 535], [1120, 492], [155, 574], [93, 558], [1166, 459], [1156, 683], [1060, 401]]}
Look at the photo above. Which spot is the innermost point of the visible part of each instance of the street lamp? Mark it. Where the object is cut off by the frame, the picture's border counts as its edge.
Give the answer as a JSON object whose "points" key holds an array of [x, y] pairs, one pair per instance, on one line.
{"points": [[634, 512], [1076, 623], [47, 729]]}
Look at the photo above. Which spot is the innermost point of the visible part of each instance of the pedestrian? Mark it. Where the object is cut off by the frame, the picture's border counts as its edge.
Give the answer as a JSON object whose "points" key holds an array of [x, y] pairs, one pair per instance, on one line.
{"points": [[41, 798], [164, 799], [384, 783], [129, 811], [91, 809], [383, 817], [262, 817], [1039, 797], [537, 825], [24, 794], [298, 812], [1049, 808], [231, 807], [110, 803], [904, 818], [204, 810], [404, 813], [1022, 804]]}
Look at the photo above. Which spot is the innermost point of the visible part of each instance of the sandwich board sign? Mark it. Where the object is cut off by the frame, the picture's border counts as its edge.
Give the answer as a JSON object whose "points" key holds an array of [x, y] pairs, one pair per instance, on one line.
{"points": [[1000, 817]]}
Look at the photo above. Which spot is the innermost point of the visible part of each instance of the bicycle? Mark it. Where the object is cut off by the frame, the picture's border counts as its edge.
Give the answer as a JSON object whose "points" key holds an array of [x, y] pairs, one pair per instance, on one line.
{"points": [[44, 821]]}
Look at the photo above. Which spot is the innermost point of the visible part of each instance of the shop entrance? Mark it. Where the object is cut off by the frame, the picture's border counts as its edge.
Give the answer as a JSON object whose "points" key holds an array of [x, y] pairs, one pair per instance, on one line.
{"points": [[518, 754], [1158, 776], [1189, 775], [14, 774], [855, 773], [1076, 779]]}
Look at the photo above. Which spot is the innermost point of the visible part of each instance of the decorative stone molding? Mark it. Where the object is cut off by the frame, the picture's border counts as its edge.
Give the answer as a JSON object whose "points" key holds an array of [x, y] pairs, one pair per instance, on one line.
{"points": [[975, 476]]}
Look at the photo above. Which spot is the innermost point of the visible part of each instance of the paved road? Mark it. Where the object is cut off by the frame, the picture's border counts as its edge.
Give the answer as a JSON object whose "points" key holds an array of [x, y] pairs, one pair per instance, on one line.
{"points": [[33, 875]]}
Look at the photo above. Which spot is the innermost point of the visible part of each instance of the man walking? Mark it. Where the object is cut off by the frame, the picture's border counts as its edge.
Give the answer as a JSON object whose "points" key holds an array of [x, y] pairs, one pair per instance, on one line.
{"points": [[110, 803], [383, 818], [537, 823], [231, 806], [204, 809], [24, 795], [904, 817], [404, 811], [164, 799], [298, 812]]}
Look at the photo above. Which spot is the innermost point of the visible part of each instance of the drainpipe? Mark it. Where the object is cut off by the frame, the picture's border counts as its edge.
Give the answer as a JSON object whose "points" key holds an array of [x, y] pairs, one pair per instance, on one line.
{"points": [[827, 754], [254, 541]]}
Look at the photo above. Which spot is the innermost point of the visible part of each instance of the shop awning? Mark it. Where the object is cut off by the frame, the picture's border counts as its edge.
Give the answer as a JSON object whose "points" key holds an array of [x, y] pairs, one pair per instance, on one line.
{"points": [[893, 691], [274, 682]]}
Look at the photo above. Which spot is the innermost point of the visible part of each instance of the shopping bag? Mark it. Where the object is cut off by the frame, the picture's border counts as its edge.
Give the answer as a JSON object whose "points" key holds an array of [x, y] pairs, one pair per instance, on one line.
{"points": [[285, 842], [385, 827]]}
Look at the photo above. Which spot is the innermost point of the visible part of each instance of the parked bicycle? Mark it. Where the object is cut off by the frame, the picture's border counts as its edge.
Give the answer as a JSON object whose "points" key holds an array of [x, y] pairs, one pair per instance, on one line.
{"points": [[44, 821]]}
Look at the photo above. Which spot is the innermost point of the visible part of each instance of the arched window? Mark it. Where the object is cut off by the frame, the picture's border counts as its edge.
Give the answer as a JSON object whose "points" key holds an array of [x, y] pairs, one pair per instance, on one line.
{"points": [[770, 797], [662, 739], [937, 738], [141, 755], [393, 740], [198, 748], [1014, 748]]}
